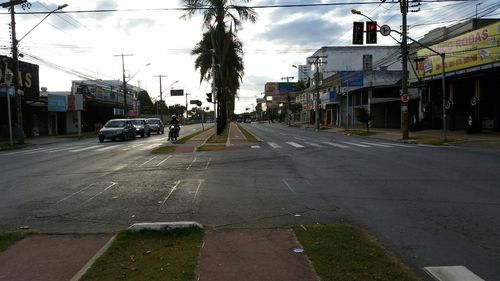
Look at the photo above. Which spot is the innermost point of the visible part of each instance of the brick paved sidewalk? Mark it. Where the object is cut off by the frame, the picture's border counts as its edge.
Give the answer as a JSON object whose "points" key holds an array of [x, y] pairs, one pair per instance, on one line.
{"points": [[192, 144]]}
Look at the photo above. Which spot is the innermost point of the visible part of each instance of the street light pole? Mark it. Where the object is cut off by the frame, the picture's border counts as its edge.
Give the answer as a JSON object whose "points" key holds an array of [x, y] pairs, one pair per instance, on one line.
{"points": [[317, 62], [404, 78]]}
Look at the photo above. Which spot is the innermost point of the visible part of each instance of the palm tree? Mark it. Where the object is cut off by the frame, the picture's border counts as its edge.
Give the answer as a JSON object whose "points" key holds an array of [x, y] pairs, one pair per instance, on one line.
{"points": [[228, 50]]}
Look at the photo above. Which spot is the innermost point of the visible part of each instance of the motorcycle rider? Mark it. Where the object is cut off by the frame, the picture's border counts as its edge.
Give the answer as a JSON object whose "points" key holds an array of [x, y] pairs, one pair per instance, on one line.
{"points": [[174, 122]]}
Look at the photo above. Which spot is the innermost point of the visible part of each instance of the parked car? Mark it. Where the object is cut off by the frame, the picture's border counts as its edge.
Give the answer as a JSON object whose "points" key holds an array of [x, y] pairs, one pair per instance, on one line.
{"points": [[248, 120], [141, 127], [117, 129], [155, 125]]}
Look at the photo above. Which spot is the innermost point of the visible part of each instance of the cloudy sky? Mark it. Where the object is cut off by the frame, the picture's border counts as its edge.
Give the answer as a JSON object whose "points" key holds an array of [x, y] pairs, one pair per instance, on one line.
{"points": [[151, 31]]}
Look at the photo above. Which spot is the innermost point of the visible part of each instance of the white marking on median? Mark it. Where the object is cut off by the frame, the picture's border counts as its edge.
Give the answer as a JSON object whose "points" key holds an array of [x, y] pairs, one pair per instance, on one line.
{"points": [[336, 144], [163, 160], [75, 193], [208, 163], [197, 190], [101, 192], [288, 186], [452, 273], [147, 161], [170, 193], [191, 164], [294, 144]]}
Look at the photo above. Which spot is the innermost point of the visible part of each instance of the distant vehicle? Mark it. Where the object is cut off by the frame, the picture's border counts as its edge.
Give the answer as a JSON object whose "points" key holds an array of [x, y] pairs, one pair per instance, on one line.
{"points": [[117, 129], [239, 120], [141, 127], [155, 125], [248, 120]]}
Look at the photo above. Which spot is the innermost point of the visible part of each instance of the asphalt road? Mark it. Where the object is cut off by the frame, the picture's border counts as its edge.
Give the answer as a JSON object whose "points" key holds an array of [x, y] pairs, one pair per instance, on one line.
{"points": [[432, 206]]}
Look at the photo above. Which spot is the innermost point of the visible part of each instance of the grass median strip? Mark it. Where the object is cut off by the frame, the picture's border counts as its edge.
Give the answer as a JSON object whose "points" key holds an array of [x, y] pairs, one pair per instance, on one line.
{"points": [[149, 255], [247, 134], [9, 238], [165, 149], [344, 252]]}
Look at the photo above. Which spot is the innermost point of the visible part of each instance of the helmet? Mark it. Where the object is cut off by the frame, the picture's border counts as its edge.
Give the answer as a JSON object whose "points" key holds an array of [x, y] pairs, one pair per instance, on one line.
{"points": [[174, 117]]}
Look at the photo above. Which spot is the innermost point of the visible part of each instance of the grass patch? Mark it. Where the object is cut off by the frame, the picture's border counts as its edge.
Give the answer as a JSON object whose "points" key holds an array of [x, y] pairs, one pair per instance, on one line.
{"points": [[166, 149], [248, 135], [9, 238], [222, 138], [211, 147], [149, 255], [343, 252]]}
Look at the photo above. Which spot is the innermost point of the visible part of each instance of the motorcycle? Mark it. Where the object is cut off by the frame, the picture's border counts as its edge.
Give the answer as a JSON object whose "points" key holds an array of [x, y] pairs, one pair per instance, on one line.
{"points": [[173, 133]]}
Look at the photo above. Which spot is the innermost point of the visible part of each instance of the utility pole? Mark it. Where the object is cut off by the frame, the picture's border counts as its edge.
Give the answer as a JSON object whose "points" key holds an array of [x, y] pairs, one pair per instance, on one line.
{"points": [[161, 97], [15, 61], [404, 77], [125, 111], [317, 61]]}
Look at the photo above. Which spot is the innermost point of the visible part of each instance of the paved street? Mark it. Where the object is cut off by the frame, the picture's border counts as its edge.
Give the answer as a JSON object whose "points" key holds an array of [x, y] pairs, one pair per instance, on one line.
{"points": [[432, 206]]}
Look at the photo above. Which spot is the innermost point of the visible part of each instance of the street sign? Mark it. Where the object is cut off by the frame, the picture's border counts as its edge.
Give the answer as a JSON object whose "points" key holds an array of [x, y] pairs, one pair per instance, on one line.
{"points": [[385, 30], [174, 93], [405, 98]]}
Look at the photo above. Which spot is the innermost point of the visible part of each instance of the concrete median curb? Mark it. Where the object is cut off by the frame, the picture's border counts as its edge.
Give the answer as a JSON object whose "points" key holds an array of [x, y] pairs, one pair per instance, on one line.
{"points": [[164, 226], [89, 264]]}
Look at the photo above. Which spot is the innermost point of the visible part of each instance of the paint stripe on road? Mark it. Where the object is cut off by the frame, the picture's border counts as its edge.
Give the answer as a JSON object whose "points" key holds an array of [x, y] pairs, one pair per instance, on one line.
{"points": [[294, 144], [255, 146], [109, 147], [85, 148], [314, 144], [356, 144], [336, 144], [274, 145], [398, 144], [375, 144], [24, 151], [452, 273], [63, 149], [148, 161]]}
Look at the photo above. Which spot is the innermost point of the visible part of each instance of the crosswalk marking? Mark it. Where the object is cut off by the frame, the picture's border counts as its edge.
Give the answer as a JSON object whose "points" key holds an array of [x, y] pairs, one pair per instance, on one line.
{"points": [[452, 273], [314, 144], [23, 151], [85, 148], [274, 145], [294, 144], [150, 146], [109, 147], [336, 144], [63, 149], [398, 144], [255, 146], [375, 144], [356, 144]]}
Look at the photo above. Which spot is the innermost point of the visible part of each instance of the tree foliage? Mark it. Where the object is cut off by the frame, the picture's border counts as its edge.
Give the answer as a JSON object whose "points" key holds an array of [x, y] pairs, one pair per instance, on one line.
{"points": [[364, 116]]}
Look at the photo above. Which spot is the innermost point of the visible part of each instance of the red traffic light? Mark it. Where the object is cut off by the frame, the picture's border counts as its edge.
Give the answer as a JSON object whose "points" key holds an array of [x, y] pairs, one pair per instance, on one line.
{"points": [[371, 32]]}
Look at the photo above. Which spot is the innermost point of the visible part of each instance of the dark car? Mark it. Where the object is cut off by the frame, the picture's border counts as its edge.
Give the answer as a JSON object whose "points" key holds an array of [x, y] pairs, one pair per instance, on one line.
{"points": [[117, 129], [155, 125], [141, 127]]}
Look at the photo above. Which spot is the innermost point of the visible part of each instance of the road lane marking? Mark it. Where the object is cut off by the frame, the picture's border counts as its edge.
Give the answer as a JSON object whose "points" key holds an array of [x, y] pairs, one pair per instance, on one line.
{"points": [[336, 144], [314, 144], [191, 164], [452, 273], [170, 193], [208, 162], [109, 147], [255, 146], [288, 186], [297, 138], [75, 193], [148, 161], [375, 144], [85, 148], [398, 144], [356, 144], [163, 160], [150, 146], [24, 151], [294, 144], [63, 149], [99, 193], [274, 145], [197, 190]]}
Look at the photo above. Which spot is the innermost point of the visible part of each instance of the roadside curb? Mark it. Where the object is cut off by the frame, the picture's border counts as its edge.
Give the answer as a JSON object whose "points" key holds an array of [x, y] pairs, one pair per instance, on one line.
{"points": [[164, 226], [89, 264]]}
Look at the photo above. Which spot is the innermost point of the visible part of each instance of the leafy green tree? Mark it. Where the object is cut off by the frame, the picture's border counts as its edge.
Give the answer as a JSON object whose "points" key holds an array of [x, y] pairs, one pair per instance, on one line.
{"points": [[364, 116], [146, 103], [216, 14]]}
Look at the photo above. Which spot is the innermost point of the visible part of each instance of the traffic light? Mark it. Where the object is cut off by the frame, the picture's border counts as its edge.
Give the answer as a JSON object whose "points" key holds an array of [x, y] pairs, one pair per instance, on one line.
{"points": [[371, 32], [209, 97], [357, 33]]}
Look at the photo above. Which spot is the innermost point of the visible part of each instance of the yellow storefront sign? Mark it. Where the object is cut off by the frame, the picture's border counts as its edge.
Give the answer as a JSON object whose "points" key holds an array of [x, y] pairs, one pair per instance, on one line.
{"points": [[478, 47]]}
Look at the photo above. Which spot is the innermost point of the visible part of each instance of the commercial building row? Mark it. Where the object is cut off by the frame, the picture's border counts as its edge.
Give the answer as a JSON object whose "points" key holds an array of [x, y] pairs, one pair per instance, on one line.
{"points": [[350, 77]]}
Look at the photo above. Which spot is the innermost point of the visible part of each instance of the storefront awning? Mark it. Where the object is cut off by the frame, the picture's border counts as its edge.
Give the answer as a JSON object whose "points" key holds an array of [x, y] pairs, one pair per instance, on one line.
{"points": [[383, 100]]}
